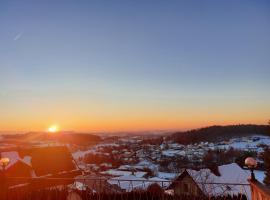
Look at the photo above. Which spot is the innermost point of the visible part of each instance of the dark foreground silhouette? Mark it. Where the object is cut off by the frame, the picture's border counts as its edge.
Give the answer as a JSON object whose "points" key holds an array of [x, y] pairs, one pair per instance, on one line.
{"points": [[63, 194]]}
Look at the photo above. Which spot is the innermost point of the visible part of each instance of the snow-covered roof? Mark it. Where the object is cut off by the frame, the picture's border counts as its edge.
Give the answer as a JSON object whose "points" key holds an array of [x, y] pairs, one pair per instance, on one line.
{"points": [[232, 173], [229, 174], [170, 152], [14, 158], [166, 175]]}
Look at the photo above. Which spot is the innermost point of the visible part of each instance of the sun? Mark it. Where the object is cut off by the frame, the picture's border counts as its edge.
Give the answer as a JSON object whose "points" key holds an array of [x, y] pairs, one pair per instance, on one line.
{"points": [[53, 129]]}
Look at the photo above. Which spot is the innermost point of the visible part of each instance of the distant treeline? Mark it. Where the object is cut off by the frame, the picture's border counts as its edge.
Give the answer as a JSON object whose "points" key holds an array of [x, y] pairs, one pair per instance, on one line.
{"points": [[218, 133], [67, 138]]}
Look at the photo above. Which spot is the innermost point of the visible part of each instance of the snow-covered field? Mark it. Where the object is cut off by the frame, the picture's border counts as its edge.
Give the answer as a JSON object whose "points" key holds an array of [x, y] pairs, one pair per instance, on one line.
{"points": [[247, 143]]}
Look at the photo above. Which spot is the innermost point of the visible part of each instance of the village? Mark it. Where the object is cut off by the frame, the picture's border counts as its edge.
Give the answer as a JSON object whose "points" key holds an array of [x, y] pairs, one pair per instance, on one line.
{"points": [[131, 163], [160, 156]]}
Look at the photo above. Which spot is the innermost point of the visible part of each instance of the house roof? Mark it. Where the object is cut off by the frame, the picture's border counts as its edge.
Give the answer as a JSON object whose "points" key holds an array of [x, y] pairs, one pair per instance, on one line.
{"points": [[43, 160], [51, 160], [213, 185], [14, 157]]}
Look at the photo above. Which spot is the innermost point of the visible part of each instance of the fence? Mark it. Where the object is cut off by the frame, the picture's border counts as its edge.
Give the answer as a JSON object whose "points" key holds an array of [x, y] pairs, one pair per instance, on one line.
{"points": [[21, 188]]}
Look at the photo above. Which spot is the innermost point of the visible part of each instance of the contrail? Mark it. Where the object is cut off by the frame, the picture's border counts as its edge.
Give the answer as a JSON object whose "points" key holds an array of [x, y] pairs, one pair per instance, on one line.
{"points": [[18, 36]]}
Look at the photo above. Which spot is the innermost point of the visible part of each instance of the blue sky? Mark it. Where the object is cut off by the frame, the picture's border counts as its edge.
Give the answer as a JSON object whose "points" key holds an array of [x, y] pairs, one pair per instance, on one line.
{"points": [[99, 65]]}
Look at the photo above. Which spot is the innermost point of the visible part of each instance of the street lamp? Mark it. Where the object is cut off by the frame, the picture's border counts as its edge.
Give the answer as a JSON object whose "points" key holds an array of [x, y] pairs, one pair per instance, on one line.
{"points": [[251, 163], [3, 182], [4, 162]]}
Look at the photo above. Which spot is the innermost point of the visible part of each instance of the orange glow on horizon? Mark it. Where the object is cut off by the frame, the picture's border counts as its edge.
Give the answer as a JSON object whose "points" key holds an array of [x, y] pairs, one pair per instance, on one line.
{"points": [[151, 121]]}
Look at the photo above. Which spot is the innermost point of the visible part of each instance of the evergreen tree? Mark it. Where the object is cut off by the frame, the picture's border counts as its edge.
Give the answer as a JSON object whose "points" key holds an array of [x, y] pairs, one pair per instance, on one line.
{"points": [[266, 156]]}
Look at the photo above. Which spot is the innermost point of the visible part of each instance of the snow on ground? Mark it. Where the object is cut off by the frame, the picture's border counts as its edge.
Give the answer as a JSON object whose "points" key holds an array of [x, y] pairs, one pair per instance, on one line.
{"points": [[94, 150], [107, 145], [169, 153], [172, 153], [247, 142], [131, 182], [79, 186], [166, 175], [140, 166], [81, 154], [131, 167], [123, 170], [146, 164], [128, 182], [125, 167], [114, 172], [162, 182]]}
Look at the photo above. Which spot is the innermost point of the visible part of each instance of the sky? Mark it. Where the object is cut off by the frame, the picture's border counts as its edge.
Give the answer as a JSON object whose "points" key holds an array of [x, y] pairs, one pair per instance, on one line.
{"points": [[133, 65]]}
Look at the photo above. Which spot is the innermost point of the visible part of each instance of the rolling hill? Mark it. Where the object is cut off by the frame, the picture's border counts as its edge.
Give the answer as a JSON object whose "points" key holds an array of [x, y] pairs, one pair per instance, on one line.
{"points": [[218, 133]]}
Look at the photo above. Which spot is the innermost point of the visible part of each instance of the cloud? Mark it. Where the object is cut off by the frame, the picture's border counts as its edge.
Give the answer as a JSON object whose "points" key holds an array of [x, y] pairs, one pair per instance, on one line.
{"points": [[18, 36]]}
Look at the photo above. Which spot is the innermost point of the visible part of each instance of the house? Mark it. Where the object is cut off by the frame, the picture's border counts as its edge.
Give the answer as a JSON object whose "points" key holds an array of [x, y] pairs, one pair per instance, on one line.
{"points": [[40, 162], [17, 166], [52, 160], [205, 182], [184, 184]]}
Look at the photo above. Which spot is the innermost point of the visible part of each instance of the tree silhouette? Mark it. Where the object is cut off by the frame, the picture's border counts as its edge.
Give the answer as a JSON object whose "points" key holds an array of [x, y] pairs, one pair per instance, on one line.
{"points": [[266, 156]]}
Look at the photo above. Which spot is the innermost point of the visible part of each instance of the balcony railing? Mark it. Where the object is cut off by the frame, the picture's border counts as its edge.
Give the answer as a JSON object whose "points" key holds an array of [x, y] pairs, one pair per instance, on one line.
{"points": [[18, 188]]}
